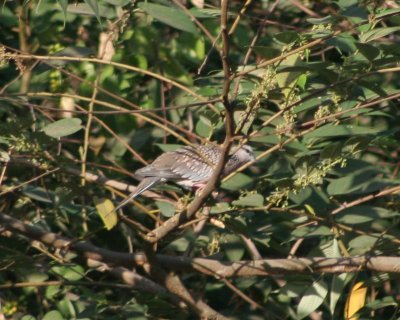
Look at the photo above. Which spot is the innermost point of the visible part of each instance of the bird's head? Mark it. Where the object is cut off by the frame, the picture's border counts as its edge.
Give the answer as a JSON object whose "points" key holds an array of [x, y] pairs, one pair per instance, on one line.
{"points": [[244, 153]]}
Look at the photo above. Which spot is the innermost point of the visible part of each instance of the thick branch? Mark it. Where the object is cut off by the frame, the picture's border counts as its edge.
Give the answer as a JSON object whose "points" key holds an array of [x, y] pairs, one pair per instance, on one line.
{"points": [[89, 251], [268, 267], [141, 283], [208, 266]]}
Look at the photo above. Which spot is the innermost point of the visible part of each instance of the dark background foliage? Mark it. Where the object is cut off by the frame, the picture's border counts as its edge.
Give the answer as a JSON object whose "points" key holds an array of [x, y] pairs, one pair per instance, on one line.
{"points": [[313, 88]]}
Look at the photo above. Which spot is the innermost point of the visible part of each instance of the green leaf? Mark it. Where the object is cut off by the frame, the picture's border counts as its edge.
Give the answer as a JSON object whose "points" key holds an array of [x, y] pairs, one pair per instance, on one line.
{"points": [[169, 15], [63, 127], [382, 303], [387, 12], [287, 37], [66, 307], [331, 130], [87, 10], [69, 272], [344, 4], [204, 127], [301, 81], [53, 315], [36, 277], [311, 231], [63, 4], [355, 13], [220, 207], [244, 119], [38, 194], [331, 151], [287, 80], [180, 245], [205, 13], [237, 182], [343, 43], [167, 209], [325, 20], [312, 299], [331, 249], [4, 156], [368, 51], [337, 285], [362, 244], [362, 214], [168, 147], [356, 183], [94, 5], [174, 69], [52, 292], [233, 247], [251, 200], [377, 33], [74, 51]]}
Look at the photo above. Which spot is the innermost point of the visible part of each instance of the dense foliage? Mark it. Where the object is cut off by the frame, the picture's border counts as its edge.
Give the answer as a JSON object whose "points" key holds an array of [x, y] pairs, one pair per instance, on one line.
{"points": [[91, 91]]}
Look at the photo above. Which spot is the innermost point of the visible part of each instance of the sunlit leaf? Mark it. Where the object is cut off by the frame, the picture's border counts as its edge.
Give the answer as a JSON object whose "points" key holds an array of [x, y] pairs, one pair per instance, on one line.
{"points": [[355, 301], [251, 200], [63, 127], [387, 12], [169, 15], [53, 315], [69, 272], [324, 20], [312, 298], [105, 209], [63, 4], [377, 33]]}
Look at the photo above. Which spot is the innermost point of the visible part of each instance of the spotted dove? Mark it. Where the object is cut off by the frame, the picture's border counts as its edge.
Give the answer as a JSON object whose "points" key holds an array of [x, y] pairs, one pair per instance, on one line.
{"points": [[189, 167]]}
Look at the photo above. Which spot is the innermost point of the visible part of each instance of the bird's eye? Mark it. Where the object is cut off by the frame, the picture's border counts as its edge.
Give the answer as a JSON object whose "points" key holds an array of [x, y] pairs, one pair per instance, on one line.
{"points": [[247, 149]]}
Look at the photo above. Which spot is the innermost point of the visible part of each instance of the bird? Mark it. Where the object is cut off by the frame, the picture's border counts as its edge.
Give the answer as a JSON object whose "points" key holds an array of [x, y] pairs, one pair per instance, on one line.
{"points": [[189, 167]]}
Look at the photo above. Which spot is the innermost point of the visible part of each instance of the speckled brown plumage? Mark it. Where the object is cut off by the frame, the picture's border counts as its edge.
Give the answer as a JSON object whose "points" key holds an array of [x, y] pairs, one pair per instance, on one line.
{"points": [[189, 166]]}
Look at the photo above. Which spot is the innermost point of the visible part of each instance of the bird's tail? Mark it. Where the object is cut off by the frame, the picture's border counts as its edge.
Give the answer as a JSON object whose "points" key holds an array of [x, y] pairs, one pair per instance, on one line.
{"points": [[144, 185]]}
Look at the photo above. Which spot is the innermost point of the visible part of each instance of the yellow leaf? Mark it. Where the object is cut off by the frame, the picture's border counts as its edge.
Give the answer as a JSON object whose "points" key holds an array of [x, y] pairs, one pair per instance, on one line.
{"points": [[355, 301], [310, 209], [105, 209]]}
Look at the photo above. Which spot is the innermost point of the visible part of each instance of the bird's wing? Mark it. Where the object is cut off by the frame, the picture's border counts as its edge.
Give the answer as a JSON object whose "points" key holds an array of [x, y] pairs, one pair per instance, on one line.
{"points": [[161, 168], [182, 164]]}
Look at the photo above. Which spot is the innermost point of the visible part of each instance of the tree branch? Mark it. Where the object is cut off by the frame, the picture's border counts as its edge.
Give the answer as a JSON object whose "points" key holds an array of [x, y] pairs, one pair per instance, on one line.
{"points": [[171, 281], [215, 268]]}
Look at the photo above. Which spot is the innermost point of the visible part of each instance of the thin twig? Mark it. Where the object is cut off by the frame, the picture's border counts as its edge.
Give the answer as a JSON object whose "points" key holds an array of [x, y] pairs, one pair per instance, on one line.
{"points": [[28, 181]]}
